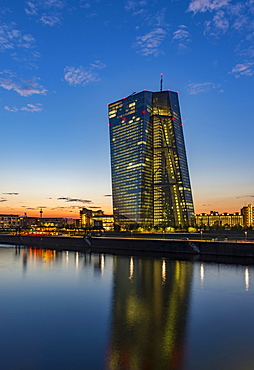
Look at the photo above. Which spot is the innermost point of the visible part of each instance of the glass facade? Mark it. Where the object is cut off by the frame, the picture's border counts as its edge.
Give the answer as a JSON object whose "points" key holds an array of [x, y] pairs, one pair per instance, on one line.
{"points": [[150, 179]]}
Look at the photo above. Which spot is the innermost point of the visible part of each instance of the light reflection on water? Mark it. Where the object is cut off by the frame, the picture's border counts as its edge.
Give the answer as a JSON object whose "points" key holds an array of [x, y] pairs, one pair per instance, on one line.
{"points": [[67, 310]]}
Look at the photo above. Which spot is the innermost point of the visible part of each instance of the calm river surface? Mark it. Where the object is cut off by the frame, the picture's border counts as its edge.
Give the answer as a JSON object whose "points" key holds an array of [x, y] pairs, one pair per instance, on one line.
{"points": [[67, 310]]}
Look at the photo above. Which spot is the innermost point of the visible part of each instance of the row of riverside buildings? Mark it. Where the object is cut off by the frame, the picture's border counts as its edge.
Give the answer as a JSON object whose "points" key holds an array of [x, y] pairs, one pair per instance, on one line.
{"points": [[245, 219], [8, 221], [150, 176], [99, 220]]}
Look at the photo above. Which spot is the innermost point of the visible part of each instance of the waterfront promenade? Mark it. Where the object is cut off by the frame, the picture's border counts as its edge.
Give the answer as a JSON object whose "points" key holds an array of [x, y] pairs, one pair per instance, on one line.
{"points": [[206, 249]]}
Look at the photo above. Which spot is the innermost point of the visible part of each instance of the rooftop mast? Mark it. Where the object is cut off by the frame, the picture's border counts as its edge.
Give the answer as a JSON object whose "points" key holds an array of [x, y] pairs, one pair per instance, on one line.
{"points": [[161, 82]]}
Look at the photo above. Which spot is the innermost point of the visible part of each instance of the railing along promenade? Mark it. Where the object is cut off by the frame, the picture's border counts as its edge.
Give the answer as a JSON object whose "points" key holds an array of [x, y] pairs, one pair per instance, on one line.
{"points": [[130, 244]]}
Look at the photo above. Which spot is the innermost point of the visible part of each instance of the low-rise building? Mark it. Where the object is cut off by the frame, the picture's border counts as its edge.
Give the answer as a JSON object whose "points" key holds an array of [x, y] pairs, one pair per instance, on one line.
{"points": [[59, 222], [9, 221], [215, 219], [97, 219]]}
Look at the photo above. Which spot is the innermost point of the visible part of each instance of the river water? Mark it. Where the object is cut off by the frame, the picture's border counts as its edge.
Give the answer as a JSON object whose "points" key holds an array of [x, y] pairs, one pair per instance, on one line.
{"points": [[67, 310]]}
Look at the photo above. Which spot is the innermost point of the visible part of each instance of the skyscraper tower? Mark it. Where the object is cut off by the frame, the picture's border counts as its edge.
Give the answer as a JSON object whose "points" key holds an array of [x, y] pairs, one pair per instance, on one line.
{"points": [[150, 177]]}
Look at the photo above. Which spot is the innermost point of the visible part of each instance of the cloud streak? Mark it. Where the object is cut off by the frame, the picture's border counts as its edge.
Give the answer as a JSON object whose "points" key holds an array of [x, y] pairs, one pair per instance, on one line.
{"points": [[48, 12], [11, 37], [182, 37], [195, 88], [24, 87], [243, 69], [28, 108], [68, 199], [11, 193], [225, 16], [82, 76], [32, 108], [50, 20], [149, 43], [202, 6], [132, 4]]}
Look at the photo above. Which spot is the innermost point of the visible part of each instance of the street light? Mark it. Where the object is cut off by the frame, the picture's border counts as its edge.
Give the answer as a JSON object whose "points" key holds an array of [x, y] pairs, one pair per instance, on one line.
{"points": [[201, 234], [246, 235]]}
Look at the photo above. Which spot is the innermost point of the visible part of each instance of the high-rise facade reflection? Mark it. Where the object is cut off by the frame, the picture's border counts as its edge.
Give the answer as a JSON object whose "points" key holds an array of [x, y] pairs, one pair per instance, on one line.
{"points": [[150, 308]]}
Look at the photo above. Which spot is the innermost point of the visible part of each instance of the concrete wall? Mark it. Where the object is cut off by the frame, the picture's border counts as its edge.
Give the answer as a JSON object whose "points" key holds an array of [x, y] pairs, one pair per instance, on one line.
{"points": [[158, 246]]}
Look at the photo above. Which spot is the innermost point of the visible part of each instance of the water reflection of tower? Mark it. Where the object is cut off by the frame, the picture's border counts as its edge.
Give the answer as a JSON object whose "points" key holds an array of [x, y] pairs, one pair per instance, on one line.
{"points": [[149, 314]]}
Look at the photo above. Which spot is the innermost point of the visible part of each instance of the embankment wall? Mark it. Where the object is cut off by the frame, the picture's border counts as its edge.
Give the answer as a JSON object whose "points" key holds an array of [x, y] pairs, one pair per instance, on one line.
{"points": [[158, 246]]}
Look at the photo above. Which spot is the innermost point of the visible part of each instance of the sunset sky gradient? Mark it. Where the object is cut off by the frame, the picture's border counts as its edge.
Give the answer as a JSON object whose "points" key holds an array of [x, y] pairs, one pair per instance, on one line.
{"points": [[63, 61]]}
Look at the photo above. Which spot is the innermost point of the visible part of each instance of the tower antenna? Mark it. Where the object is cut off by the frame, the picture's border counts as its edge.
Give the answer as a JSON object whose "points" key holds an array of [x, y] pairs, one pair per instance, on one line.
{"points": [[161, 82]]}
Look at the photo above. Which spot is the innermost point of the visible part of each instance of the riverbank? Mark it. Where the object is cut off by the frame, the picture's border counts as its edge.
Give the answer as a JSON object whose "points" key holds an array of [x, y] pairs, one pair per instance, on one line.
{"points": [[201, 249]]}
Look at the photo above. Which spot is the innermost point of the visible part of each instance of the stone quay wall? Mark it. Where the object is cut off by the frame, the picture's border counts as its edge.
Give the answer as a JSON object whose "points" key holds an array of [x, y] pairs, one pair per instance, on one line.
{"points": [[131, 245]]}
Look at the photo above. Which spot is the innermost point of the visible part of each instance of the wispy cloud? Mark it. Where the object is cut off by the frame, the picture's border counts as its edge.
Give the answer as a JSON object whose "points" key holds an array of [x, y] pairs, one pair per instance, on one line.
{"points": [[28, 108], [195, 88], [48, 12], [149, 43], [11, 109], [31, 8], [134, 4], [11, 38], [3, 200], [84, 4], [50, 20], [68, 199], [243, 69], [218, 25], [108, 195], [32, 108], [70, 209], [182, 37], [11, 193], [202, 6], [245, 65], [98, 65], [75, 76], [224, 15], [22, 86], [245, 196]]}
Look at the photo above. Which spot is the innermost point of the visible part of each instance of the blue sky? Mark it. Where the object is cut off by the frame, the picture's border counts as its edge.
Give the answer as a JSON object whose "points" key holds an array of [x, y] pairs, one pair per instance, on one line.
{"points": [[62, 62]]}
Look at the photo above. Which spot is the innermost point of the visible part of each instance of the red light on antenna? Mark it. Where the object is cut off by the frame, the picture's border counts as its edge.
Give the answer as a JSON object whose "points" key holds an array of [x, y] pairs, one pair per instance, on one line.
{"points": [[124, 118], [109, 124], [124, 97], [143, 111], [181, 124], [161, 74], [169, 90], [144, 90], [177, 92], [172, 118]]}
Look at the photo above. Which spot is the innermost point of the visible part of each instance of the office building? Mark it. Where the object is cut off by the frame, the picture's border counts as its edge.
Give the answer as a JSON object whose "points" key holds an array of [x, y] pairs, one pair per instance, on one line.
{"points": [[248, 215], [96, 219], [9, 221], [150, 177], [216, 219]]}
